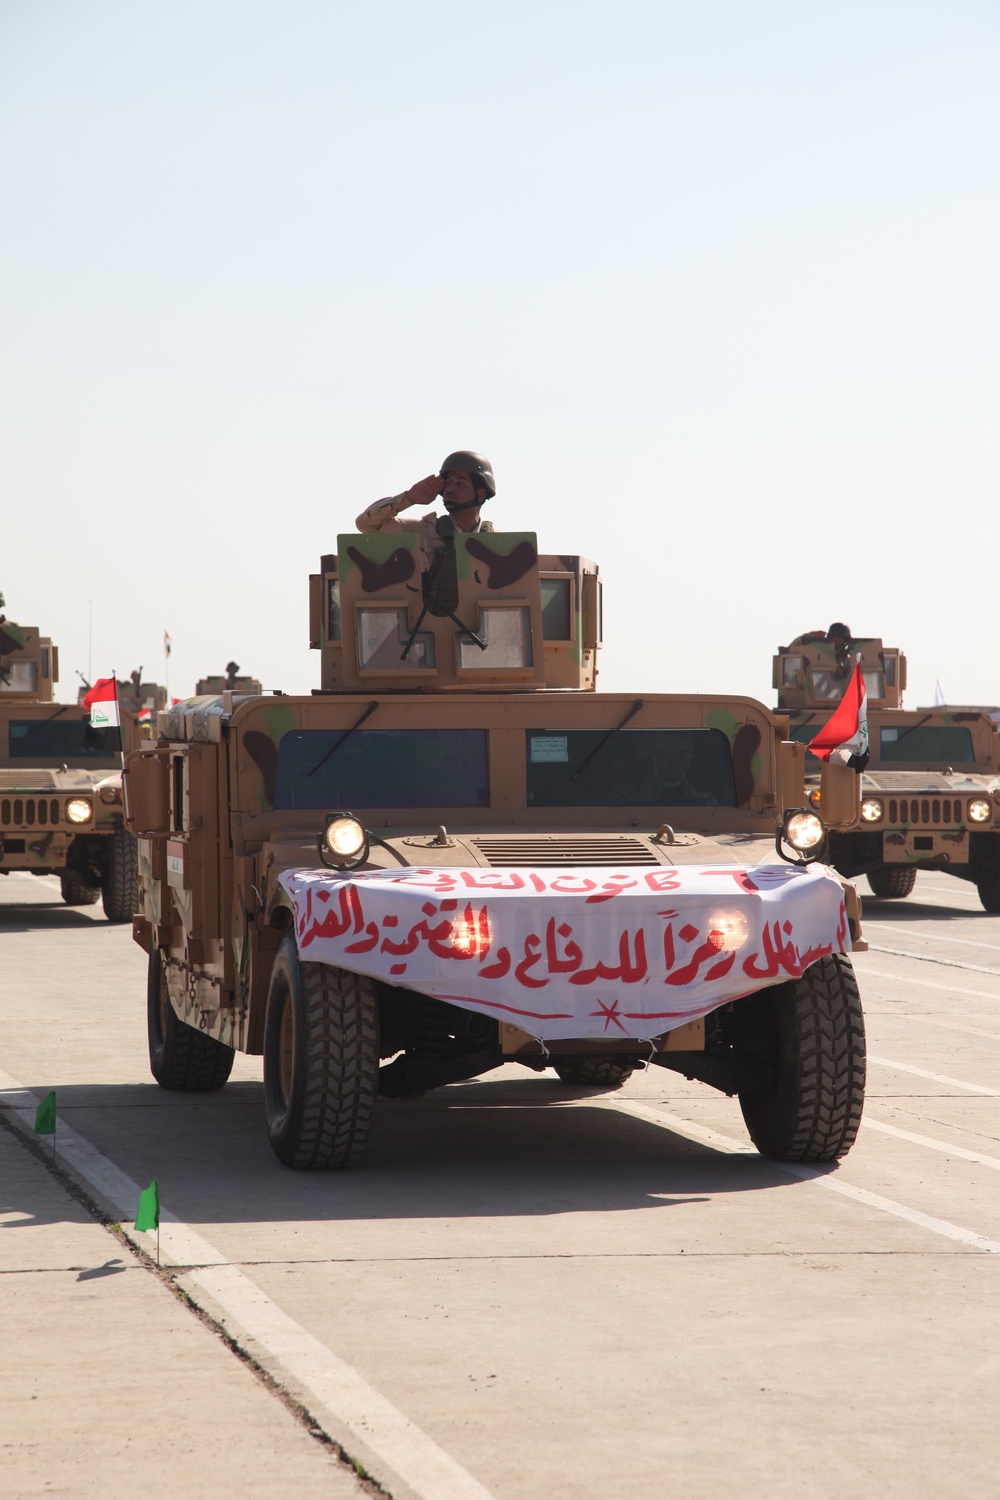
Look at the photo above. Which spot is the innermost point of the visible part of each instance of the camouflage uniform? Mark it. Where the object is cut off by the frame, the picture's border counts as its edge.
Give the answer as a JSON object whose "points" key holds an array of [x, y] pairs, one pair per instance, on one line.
{"points": [[382, 517]]}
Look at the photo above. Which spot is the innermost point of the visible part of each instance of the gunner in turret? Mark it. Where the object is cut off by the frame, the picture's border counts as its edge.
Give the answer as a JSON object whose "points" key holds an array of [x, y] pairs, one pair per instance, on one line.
{"points": [[465, 483]]}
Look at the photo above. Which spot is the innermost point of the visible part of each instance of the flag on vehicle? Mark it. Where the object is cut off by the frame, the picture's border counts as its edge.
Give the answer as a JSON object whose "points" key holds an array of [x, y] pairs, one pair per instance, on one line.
{"points": [[102, 700], [167, 644], [45, 1115], [148, 1213], [844, 737]]}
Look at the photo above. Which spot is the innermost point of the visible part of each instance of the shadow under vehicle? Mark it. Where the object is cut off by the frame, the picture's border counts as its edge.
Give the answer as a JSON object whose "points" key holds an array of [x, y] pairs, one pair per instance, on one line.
{"points": [[455, 853], [60, 783], [931, 792]]}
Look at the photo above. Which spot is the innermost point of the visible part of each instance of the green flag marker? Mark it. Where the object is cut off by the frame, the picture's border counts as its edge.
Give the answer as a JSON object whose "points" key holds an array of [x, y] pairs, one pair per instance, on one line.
{"points": [[45, 1115], [148, 1214]]}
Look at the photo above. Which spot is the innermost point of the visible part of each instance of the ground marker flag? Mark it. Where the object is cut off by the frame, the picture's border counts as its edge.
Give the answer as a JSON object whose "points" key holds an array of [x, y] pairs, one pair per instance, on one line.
{"points": [[844, 737], [45, 1119], [148, 1213], [45, 1115]]}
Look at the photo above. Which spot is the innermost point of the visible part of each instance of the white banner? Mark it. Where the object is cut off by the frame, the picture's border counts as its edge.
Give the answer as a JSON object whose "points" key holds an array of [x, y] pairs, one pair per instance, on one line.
{"points": [[574, 953]]}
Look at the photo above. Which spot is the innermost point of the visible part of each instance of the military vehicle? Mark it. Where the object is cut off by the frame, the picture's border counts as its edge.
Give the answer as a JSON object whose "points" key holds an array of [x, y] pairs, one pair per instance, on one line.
{"points": [[456, 854], [931, 792], [60, 783], [232, 682]]}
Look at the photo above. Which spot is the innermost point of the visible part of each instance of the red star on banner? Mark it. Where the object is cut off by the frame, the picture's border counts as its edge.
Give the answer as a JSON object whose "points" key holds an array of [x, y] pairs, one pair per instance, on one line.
{"points": [[609, 1012]]}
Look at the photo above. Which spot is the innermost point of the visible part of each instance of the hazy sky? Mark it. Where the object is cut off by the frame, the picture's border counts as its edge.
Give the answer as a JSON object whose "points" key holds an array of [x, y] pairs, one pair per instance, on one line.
{"points": [[714, 285]]}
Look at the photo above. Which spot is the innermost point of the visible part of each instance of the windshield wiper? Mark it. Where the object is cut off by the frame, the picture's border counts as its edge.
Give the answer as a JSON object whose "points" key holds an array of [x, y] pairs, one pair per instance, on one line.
{"points": [[912, 727], [60, 710], [609, 736], [373, 705]]}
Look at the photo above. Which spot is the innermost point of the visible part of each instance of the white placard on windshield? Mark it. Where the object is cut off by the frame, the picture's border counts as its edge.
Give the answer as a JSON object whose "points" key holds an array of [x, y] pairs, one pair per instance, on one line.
{"points": [[549, 747]]}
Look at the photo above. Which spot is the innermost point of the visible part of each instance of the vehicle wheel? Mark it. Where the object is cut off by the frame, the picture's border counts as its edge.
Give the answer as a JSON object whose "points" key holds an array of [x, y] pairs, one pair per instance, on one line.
{"points": [[989, 893], [803, 1047], [321, 1057], [182, 1059], [76, 892], [597, 1072], [890, 882], [120, 886]]}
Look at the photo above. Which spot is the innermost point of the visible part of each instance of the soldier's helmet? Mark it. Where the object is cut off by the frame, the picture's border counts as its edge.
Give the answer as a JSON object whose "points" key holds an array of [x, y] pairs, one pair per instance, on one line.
{"points": [[475, 464]]}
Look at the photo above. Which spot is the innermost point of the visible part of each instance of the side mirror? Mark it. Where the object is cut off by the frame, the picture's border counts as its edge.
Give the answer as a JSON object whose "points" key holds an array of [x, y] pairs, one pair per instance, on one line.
{"points": [[144, 789], [839, 796]]}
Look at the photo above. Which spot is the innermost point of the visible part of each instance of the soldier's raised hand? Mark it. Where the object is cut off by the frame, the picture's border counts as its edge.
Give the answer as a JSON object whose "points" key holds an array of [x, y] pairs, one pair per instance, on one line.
{"points": [[425, 491]]}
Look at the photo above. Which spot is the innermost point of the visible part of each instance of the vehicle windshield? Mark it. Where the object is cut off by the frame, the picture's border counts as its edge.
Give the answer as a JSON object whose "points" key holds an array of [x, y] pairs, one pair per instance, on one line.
{"points": [[66, 740], [635, 768], [947, 743], [804, 733], [829, 686], [382, 768]]}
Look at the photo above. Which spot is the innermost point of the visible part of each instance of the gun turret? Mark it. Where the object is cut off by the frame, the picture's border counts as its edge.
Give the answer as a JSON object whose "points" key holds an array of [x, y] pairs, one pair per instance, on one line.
{"points": [[815, 669], [29, 664], [231, 682], [489, 613]]}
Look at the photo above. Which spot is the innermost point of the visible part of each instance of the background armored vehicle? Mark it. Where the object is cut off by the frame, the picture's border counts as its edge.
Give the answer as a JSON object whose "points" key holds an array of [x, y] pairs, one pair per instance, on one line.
{"points": [[456, 854], [60, 783], [931, 794], [232, 682]]}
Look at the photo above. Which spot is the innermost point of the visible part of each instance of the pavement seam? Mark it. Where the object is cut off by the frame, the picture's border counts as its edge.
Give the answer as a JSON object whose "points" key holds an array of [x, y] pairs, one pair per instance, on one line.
{"points": [[930, 958], [167, 1277]]}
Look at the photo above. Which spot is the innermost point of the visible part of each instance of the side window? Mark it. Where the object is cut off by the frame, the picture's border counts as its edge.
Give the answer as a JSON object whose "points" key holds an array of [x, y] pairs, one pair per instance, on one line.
{"points": [[177, 794]]}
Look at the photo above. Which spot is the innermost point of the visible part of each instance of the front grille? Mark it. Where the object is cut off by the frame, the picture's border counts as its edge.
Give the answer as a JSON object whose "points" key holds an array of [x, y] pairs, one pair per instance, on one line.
{"points": [[552, 850], [29, 812], [936, 811]]}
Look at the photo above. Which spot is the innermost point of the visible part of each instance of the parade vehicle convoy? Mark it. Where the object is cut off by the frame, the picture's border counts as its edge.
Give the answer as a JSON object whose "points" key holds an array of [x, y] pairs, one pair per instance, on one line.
{"points": [[931, 791], [456, 854], [60, 783]]}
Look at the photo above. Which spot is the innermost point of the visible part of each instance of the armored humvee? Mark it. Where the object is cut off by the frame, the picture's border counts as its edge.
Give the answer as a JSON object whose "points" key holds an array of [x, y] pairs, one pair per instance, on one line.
{"points": [[60, 783], [456, 854], [931, 793]]}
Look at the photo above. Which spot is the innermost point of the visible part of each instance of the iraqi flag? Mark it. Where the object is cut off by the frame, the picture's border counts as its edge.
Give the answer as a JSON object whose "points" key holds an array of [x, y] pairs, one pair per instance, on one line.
{"points": [[102, 700], [844, 737]]}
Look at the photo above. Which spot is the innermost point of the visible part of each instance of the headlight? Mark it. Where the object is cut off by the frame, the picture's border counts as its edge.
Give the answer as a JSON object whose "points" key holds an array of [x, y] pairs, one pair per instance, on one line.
{"points": [[728, 930], [979, 810], [79, 810], [472, 933], [343, 842], [871, 809], [804, 831]]}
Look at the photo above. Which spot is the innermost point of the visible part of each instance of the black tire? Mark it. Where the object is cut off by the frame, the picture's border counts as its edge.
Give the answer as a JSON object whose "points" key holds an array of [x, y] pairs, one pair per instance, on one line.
{"points": [[183, 1060], [321, 1059], [76, 892], [596, 1072], [891, 882], [802, 1045], [120, 886], [989, 893]]}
